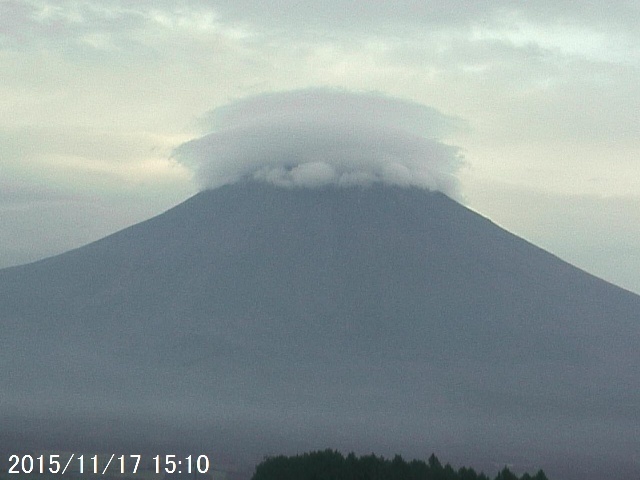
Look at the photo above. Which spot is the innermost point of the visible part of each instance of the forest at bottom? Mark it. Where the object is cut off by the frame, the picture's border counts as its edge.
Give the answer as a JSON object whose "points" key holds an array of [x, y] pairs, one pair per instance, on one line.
{"points": [[332, 465]]}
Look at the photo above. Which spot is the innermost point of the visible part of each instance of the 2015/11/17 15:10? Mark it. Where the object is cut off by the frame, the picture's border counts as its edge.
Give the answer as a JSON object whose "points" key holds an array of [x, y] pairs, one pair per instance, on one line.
{"points": [[59, 464]]}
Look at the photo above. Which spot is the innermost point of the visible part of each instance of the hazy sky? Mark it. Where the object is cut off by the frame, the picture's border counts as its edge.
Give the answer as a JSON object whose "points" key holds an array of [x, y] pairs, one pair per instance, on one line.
{"points": [[96, 95]]}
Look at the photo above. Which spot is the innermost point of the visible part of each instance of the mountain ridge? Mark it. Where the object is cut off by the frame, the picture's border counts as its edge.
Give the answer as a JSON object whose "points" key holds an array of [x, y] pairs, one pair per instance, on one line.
{"points": [[300, 316]]}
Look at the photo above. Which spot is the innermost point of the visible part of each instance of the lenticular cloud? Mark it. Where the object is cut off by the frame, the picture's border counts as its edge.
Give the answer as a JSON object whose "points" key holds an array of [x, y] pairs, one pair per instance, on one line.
{"points": [[312, 138]]}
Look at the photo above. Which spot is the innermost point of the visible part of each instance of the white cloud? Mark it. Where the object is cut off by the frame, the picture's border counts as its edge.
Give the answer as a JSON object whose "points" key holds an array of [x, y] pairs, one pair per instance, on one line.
{"points": [[317, 137]]}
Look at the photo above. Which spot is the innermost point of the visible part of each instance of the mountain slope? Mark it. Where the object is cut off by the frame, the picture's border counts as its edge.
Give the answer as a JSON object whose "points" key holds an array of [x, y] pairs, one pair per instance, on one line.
{"points": [[256, 318]]}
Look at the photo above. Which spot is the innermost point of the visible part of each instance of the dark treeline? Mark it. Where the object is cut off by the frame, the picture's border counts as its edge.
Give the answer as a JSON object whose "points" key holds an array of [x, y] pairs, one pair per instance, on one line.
{"points": [[332, 465]]}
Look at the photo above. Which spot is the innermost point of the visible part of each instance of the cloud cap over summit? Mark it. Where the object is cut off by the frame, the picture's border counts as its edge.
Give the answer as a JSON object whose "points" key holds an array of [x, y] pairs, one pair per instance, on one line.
{"points": [[318, 137]]}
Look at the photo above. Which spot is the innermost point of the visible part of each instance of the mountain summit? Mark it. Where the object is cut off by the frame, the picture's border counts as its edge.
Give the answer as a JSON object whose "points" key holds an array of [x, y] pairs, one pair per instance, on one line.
{"points": [[253, 320]]}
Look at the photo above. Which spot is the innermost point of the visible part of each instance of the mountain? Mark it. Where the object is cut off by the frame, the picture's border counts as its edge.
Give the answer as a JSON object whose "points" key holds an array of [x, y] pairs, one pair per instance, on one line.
{"points": [[253, 320]]}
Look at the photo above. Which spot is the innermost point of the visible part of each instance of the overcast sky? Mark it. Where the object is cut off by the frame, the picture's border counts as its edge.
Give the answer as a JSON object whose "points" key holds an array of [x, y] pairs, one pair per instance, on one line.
{"points": [[95, 96]]}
